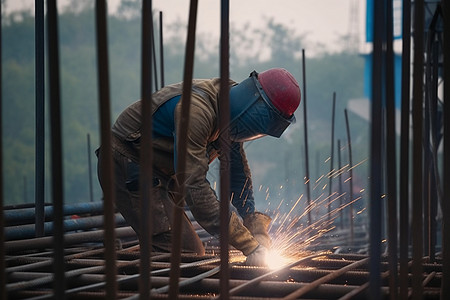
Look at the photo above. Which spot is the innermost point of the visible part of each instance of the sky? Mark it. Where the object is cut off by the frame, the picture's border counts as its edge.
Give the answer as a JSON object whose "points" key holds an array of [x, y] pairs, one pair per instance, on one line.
{"points": [[324, 21]]}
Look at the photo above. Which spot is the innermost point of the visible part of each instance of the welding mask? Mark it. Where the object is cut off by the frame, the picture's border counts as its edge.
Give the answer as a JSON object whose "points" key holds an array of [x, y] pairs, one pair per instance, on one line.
{"points": [[263, 104]]}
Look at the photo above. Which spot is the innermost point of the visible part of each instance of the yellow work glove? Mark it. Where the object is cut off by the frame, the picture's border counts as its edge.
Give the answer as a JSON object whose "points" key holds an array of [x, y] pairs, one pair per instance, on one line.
{"points": [[258, 224], [257, 257], [240, 237]]}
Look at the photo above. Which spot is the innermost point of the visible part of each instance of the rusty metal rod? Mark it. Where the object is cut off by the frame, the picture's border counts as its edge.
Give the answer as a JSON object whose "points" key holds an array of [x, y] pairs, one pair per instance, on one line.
{"points": [[350, 170], [56, 148], [341, 190], [352, 294], [258, 280], [182, 131], [274, 288], [391, 154], [40, 117], [417, 154], [108, 170], [24, 215], [305, 130], [313, 285], [69, 239], [376, 162], [161, 48], [28, 231], [224, 120], [3, 294], [404, 150], [330, 189], [445, 289], [146, 154], [131, 278], [89, 156]]}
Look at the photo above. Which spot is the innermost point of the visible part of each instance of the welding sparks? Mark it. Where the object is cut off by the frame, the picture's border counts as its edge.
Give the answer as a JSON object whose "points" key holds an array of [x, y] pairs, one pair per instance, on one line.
{"points": [[275, 259]]}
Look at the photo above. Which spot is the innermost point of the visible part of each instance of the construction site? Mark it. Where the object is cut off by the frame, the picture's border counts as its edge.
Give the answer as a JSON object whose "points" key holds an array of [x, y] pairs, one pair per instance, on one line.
{"points": [[88, 250]]}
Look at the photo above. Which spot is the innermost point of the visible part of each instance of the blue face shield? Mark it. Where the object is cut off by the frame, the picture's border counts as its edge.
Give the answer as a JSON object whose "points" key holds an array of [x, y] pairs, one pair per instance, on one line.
{"points": [[252, 114]]}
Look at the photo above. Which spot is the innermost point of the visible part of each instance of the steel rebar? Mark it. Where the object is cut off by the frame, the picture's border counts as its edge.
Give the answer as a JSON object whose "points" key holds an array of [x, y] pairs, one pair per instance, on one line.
{"points": [[89, 156], [404, 150], [23, 215], [311, 286], [28, 231], [376, 162], [182, 131], [224, 119], [417, 152], [445, 289], [108, 171], [341, 213], [305, 130], [391, 153], [40, 117], [161, 48], [3, 293], [330, 188], [56, 148], [146, 154], [350, 170], [69, 239]]}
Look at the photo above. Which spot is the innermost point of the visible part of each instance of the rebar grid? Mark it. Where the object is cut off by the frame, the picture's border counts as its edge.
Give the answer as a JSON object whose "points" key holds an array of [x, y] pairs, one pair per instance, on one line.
{"points": [[315, 275]]}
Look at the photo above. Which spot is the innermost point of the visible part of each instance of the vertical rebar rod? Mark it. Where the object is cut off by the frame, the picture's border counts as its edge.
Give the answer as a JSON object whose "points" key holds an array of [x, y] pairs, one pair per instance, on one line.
{"points": [[224, 108], [153, 54], [350, 170], [182, 131], [417, 153], [445, 288], [146, 155], [391, 154], [434, 150], [305, 128], [330, 188], [341, 213], [91, 189], [375, 152], [56, 150], [3, 294], [40, 118], [108, 171], [404, 149], [426, 146], [161, 48]]}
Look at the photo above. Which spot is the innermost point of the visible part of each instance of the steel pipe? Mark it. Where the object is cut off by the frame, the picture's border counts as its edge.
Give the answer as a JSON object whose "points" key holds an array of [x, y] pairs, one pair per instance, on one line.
{"points": [[28, 231], [3, 294], [26, 215], [330, 182], [69, 239]]}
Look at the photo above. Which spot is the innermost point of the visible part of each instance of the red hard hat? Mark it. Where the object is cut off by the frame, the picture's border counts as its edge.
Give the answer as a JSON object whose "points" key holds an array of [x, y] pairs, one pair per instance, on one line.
{"points": [[282, 89]]}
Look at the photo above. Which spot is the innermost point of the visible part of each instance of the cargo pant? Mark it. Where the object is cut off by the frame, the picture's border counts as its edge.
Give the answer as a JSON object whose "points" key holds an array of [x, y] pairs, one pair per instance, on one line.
{"points": [[126, 186]]}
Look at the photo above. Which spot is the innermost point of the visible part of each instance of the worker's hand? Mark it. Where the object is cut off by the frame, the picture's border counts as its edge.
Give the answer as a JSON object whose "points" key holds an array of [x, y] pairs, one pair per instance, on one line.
{"points": [[240, 237], [257, 257], [258, 224]]}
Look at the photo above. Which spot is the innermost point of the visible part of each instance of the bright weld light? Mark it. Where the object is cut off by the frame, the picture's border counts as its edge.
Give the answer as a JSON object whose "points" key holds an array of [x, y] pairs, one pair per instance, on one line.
{"points": [[275, 260]]}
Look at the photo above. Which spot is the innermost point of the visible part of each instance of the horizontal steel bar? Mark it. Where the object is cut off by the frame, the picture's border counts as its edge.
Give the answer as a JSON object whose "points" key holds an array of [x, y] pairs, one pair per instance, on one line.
{"points": [[28, 231]]}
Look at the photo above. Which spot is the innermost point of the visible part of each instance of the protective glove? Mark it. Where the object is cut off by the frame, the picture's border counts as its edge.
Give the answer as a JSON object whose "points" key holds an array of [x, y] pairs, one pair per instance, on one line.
{"points": [[258, 223], [239, 236], [257, 257]]}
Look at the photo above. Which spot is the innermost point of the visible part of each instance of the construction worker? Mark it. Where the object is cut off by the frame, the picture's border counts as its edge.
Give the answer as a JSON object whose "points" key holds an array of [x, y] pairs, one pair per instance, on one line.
{"points": [[263, 104]]}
